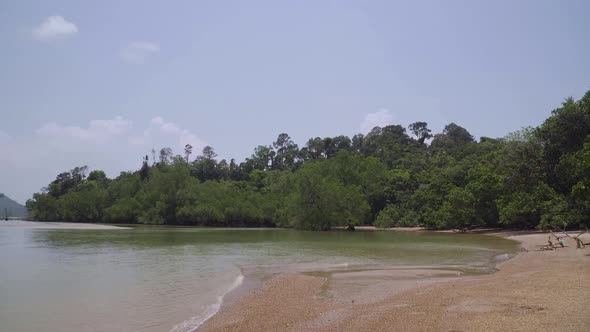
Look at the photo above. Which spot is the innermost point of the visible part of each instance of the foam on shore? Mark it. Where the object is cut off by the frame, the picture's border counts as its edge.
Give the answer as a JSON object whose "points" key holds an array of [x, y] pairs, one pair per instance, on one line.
{"points": [[196, 321]]}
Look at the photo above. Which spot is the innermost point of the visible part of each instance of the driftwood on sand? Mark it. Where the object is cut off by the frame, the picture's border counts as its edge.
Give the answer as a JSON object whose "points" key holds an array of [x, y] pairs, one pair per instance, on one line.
{"points": [[560, 242], [579, 243]]}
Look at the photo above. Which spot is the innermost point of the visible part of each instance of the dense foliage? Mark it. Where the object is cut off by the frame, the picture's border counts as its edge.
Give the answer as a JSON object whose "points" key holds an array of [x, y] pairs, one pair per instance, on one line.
{"points": [[537, 177]]}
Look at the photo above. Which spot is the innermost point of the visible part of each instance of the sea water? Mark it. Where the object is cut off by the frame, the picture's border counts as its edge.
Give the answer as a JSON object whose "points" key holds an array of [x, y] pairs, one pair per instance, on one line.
{"points": [[174, 278]]}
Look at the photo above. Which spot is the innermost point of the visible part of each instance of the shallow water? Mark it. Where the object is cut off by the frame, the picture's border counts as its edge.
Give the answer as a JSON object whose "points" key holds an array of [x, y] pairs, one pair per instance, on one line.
{"points": [[172, 279]]}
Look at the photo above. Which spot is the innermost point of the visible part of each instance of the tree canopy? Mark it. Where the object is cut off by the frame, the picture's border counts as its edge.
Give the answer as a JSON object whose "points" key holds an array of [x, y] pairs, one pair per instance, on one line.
{"points": [[536, 177]]}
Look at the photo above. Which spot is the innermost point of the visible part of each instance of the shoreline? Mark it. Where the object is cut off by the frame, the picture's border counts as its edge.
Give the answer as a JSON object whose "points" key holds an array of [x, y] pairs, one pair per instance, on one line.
{"points": [[58, 225], [508, 299]]}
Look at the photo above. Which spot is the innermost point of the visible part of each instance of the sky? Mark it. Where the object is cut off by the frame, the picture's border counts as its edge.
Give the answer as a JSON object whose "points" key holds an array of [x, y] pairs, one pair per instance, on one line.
{"points": [[101, 83]]}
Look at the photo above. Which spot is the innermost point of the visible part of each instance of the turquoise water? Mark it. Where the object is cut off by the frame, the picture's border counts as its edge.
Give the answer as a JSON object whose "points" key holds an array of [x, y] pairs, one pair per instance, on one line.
{"points": [[172, 279]]}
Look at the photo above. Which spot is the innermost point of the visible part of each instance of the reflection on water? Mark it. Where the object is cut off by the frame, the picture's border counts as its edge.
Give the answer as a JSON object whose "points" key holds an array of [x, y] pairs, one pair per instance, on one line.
{"points": [[155, 278]]}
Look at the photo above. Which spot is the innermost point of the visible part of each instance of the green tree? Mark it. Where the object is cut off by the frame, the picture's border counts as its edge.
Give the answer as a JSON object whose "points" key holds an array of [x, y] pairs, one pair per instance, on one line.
{"points": [[205, 167], [188, 150], [421, 131], [286, 152], [563, 133], [165, 155], [320, 203]]}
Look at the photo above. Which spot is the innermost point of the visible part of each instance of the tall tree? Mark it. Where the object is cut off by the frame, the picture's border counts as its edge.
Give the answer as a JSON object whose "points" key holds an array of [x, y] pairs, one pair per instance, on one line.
{"points": [[144, 171], [421, 131], [165, 155], [286, 152], [205, 166], [188, 149], [315, 148], [209, 153]]}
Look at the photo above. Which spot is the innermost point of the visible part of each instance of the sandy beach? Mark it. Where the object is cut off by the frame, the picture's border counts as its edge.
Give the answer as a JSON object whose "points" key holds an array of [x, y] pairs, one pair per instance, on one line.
{"points": [[534, 291]]}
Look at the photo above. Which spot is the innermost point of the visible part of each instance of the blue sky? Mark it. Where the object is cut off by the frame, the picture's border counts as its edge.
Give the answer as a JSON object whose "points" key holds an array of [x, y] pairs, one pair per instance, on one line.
{"points": [[102, 82]]}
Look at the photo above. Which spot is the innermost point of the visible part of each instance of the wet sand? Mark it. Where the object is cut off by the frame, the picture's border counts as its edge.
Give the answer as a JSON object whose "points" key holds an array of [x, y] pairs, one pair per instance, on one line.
{"points": [[535, 291]]}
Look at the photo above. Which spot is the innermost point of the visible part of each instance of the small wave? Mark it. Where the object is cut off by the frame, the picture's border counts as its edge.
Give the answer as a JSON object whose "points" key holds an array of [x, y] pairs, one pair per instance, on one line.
{"points": [[501, 258], [192, 324]]}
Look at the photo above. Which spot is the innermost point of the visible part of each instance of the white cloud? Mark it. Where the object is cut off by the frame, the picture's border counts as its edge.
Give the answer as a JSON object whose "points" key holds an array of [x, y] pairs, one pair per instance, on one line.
{"points": [[112, 145], [54, 27], [381, 118], [97, 130], [161, 131], [139, 52]]}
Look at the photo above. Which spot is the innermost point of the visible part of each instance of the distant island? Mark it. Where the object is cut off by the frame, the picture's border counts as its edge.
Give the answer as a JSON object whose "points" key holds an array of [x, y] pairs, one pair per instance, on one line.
{"points": [[12, 209], [393, 176]]}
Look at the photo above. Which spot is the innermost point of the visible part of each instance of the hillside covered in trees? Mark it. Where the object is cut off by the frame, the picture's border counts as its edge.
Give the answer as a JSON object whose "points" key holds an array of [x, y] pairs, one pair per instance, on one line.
{"points": [[393, 176]]}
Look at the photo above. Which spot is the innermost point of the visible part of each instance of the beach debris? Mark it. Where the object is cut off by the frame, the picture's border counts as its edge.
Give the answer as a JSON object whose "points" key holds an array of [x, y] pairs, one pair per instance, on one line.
{"points": [[579, 243], [553, 245], [560, 241]]}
